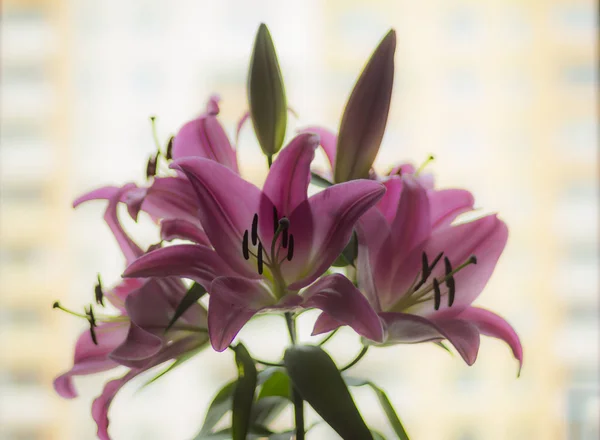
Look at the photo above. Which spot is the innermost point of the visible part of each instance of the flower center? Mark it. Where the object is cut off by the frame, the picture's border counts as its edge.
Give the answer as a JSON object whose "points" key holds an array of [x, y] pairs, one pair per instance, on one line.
{"points": [[273, 260], [426, 288]]}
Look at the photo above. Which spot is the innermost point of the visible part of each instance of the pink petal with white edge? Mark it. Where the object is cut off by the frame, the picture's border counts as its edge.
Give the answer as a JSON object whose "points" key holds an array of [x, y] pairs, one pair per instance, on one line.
{"points": [[404, 328], [233, 301], [183, 230], [227, 206], [337, 296], [289, 176], [447, 204], [490, 324], [323, 226], [193, 261], [327, 140], [91, 358], [137, 348]]}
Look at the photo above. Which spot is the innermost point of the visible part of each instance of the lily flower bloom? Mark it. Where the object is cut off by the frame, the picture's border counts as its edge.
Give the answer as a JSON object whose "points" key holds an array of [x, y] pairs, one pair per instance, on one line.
{"points": [[273, 243], [136, 337], [172, 200], [422, 274]]}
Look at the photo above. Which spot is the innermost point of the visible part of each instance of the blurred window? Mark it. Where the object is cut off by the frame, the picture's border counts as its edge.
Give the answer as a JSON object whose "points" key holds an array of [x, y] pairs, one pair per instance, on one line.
{"points": [[13, 193], [21, 376], [576, 19], [578, 74], [21, 132], [20, 315], [579, 136], [25, 254]]}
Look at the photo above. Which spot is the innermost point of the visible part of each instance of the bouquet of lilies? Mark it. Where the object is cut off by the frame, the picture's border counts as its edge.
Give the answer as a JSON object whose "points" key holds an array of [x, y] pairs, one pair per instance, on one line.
{"points": [[380, 253]]}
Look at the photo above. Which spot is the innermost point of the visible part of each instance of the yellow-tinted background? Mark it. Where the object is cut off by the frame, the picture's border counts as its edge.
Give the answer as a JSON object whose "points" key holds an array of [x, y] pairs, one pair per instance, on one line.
{"points": [[503, 92]]}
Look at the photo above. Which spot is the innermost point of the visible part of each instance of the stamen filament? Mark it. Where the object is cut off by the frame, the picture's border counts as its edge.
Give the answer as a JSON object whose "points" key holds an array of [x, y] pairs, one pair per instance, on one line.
{"points": [[57, 305], [422, 167]]}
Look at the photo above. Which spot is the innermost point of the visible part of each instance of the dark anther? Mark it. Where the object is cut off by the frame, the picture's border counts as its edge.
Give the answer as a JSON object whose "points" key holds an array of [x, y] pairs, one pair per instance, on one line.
{"points": [[425, 271], [436, 260], [447, 266], [169, 154], [437, 294], [259, 256], [99, 294], [92, 321], [449, 281], [290, 253], [284, 223], [473, 259], [275, 220], [284, 238], [56, 305], [245, 246], [255, 230], [151, 166]]}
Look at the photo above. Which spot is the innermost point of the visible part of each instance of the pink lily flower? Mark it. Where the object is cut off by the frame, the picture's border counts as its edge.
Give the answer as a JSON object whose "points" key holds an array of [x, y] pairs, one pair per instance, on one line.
{"points": [[172, 200], [136, 337], [422, 274], [273, 243]]}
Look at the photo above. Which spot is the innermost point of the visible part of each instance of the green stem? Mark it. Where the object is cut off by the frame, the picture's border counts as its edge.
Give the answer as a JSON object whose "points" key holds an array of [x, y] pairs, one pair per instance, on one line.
{"points": [[297, 398], [328, 337], [270, 160], [357, 358]]}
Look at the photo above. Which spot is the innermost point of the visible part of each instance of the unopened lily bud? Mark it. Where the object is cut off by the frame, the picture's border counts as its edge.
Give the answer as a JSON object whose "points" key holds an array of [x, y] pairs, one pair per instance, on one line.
{"points": [[366, 113], [266, 94]]}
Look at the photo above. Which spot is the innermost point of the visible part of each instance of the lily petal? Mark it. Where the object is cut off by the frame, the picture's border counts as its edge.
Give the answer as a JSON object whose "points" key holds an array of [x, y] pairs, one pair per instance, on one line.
{"points": [[181, 229], [119, 293], [205, 137], [227, 206], [412, 224], [327, 140], [404, 328], [336, 295], [196, 262], [104, 193], [233, 301], [289, 176], [490, 324], [91, 358], [323, 226], [102, 403], [139, 345], [388, 205], [445, 205]]}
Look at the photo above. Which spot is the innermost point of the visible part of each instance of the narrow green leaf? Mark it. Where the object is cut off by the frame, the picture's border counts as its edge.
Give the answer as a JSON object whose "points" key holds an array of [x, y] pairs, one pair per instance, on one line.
{"points": [[317, 379], [366, 113], [255, 433], [217, 409], [315, 179], [385, 403], [278, 384], [266, 94], [265, 410], [377, 435], [243, 395], [191, 296], [349, 254], [266, 374]]}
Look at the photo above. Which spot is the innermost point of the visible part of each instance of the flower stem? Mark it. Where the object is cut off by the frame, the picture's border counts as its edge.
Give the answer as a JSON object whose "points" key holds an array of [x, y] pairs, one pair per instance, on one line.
{"points": [[298, 402], [328, 337], [357, 358]]}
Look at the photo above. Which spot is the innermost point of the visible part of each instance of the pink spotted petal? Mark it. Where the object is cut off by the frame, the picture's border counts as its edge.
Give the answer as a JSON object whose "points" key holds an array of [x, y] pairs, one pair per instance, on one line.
{"points": [[323, 226], [340, 299], [289, 176], [447, 204], [490, 324], [196, 262], [183, 230], [91, 358], [227, 206], [327, 140], [233, 301]]}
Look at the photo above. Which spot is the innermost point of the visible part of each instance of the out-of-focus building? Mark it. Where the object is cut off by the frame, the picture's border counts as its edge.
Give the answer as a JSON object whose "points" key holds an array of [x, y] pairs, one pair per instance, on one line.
{"points": [[34, 257], [504, 93]]}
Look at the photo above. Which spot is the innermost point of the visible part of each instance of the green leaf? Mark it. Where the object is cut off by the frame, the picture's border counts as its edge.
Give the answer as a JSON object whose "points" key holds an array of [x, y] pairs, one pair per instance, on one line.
{"points": [[266, 374], [191, 297], [243, 395], [265, 410], [315, 179], [278, 384], [266, 94], [385, 403], [377, 435], [255, 433], [217, 409], [349, 254], [366, 113], [317, 379], [287, 435]]}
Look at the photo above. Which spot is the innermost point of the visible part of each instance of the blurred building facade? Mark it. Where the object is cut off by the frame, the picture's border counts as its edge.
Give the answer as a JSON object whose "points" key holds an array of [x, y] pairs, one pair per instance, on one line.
{"points": [[503, 93]]}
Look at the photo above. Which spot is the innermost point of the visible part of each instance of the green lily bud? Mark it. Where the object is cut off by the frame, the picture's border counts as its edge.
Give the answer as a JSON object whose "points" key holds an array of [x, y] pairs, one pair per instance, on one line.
{"points": [[266, 94], [366, 113]]}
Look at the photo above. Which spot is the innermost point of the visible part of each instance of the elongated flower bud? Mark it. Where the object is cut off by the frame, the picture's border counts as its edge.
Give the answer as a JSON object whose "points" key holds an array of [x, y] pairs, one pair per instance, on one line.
{"points": [[366, 114], [266, 94]]}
